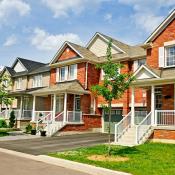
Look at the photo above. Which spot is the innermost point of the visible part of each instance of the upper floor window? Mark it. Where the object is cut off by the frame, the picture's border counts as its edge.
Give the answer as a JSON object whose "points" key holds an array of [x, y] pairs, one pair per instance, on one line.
{"points": [[66, 73], [37, 81], [19, 83], [138, 63], [170, 56]]}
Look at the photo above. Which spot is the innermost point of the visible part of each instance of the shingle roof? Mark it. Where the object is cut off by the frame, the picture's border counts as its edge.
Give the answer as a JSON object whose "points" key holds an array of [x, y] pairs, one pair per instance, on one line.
{"points": [[69, 87], [10, 70]]}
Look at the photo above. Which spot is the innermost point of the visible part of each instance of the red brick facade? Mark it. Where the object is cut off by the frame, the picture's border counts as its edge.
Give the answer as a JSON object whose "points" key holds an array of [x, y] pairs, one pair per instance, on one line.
{"points": [[90, 122], [163, 134]]}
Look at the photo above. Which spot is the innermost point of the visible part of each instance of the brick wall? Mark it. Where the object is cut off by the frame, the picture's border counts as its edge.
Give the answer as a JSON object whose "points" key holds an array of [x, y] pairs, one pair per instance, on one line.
{"points": [[90, 121], [70, 102], [163, 134], [167, 35], [81, 73], [52, 76], [85, 103]]}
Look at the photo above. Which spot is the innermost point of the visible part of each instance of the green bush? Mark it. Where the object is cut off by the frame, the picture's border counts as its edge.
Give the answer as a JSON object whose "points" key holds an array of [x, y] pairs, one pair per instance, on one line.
{"points": [[3, 123], [12, 119], [28, 128]]}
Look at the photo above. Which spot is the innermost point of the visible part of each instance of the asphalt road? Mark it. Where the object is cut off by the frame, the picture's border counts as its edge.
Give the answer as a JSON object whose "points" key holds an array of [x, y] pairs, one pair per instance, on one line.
{"points": [[61, 143], [10, 164]]}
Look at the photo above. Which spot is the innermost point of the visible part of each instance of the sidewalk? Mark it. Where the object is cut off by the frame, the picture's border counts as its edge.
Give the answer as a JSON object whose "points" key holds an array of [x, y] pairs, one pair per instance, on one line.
{"points": [[84, 168]]}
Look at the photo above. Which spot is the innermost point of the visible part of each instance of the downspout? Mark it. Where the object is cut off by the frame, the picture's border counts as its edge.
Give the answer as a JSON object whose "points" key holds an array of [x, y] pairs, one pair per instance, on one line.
{"points": [[86, 78]]}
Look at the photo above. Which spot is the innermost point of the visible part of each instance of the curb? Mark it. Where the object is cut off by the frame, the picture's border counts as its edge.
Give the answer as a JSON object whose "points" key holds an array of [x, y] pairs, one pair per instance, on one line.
{"points": [[89, 169]]}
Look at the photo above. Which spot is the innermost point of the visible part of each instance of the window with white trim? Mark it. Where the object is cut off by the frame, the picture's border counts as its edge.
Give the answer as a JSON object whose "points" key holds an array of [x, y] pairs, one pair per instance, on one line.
{"points": [[170, 56], [37, 81], [18, 83], [66, 73], [138, 63]]}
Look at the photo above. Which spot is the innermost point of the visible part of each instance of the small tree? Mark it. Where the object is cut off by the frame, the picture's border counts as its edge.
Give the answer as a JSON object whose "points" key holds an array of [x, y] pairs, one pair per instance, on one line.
{"points": [[12, 119], [113, 86], [5, 83]]}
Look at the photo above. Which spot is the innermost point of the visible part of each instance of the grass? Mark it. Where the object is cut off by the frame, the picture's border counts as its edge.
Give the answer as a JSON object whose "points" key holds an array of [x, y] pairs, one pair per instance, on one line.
{"points": [[3, 133], [150, 158]]}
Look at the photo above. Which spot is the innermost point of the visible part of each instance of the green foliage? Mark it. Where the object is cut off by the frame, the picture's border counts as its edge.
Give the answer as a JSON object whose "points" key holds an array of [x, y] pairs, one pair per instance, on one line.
{"points": [[3, 123], [28, 128], [5, 83], [12, 119]]}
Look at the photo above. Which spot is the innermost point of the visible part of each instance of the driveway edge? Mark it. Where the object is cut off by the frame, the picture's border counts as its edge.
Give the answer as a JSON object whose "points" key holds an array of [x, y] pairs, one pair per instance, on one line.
{"points": [[90, 169]]}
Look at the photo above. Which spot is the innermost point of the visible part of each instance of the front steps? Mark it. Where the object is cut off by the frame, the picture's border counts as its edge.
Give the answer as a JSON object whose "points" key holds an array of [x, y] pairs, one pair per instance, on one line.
{"points": [[129, 137]]}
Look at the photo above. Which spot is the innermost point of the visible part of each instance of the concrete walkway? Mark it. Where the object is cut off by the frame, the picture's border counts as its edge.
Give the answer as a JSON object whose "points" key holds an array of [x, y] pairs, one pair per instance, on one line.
{"points": [[46, 145], [15, 165]]}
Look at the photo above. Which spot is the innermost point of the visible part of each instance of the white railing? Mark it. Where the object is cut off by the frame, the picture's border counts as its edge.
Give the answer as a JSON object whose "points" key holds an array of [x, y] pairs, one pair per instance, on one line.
{"points": [[122, 126], [74, 117], [164, 117], [143, 128], [27, 114], [139, 116], [59, 117]]}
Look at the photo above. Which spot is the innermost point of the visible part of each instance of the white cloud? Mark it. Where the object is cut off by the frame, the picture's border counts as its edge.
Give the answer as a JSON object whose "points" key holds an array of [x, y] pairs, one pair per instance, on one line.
{"points": [[108, 17], [9, 7], [11, 40], [46, 41], [64, 7], [147, 13]]}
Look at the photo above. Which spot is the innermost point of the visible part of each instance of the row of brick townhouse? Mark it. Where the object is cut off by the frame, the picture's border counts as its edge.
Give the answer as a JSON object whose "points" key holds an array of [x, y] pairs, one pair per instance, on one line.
{"points": [[59, 94]]}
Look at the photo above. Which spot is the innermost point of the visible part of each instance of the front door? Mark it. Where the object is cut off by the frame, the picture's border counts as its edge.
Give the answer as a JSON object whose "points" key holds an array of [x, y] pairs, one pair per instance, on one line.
{"points": [[115, 118]]}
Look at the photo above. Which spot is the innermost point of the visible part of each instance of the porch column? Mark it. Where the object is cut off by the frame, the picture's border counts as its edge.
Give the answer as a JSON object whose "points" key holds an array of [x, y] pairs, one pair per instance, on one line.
{"points": [[65, 107], [54, 107], [21, 109], [152, 104], [132, 105], [33, 110]]}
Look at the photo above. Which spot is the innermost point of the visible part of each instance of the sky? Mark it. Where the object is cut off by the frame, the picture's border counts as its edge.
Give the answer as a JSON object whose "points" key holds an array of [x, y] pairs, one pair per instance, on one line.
{"points": [[35, 29]]}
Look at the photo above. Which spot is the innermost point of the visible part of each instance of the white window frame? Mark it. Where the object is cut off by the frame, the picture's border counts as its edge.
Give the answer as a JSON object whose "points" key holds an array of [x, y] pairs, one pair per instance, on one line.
{"points": [[19, 83], [136, 63], [37, 81], [167, 47], [67, 76]]}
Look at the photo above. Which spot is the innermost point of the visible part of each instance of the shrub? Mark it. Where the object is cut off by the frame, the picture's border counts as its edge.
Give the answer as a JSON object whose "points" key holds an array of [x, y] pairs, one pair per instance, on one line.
{"points": [[3, 123], [28, 128], [12, 119]]}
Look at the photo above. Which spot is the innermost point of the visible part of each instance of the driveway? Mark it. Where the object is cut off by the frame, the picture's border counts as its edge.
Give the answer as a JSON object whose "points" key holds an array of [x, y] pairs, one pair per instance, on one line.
{"points": [[11, 164], [46, 145]]}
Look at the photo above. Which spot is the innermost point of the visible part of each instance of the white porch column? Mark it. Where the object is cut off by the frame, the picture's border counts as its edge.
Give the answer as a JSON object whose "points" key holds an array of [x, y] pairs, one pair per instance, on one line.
{"points": [[152, 104], [54, 107], [132, 105], [65, 107], [21, 109], [33, 110]]}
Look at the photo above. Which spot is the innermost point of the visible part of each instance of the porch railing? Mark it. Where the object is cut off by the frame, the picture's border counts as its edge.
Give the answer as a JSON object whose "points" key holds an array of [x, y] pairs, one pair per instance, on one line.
{"points": [[74, 117], [59, 117], [122, 126], [143, 128], [139, 116], [164, 117], [43, 115]]}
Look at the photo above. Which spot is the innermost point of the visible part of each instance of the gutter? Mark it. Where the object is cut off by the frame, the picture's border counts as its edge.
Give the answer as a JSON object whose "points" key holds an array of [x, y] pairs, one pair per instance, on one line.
{"points": [[86, 78]]}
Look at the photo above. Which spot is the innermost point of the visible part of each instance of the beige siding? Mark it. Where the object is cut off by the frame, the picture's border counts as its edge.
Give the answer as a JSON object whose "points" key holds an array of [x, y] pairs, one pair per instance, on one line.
{"points": [[45, 82], [99, 47], [23, 86], [7, 74]]}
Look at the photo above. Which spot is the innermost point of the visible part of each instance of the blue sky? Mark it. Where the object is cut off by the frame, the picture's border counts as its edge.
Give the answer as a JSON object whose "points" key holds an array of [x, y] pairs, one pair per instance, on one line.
{"points": [[36, 29]]}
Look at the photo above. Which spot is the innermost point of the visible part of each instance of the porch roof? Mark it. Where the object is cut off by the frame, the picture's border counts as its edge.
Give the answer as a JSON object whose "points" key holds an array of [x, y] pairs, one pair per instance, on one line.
{"points": [[73, 87], [146, 75]]}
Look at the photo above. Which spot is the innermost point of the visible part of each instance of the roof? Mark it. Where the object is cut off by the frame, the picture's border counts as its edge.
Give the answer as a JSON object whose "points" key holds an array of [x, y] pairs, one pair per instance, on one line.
{"points": [[62, 87], [161, 27]]}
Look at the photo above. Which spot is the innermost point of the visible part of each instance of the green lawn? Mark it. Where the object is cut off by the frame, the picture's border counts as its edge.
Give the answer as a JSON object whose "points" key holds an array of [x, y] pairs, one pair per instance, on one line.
{"points": [[147, 159]]}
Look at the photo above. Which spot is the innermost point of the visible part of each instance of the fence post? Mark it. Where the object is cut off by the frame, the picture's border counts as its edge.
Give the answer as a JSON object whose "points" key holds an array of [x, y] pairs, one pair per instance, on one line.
{"points": [[155, 120]]}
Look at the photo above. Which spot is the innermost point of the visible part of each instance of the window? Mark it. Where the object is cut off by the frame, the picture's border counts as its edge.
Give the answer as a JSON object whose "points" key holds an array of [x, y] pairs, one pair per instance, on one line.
{"points": [[66, 73], [19, 83], [37, 81], [158, 97], [138, 63], [77, 103], [72, 72], [170, 56]]}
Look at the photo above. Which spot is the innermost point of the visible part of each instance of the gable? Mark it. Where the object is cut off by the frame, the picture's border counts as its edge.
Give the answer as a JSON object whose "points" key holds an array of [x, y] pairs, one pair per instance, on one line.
{"points": [[67, 53], [19, 67], [99, 47]]}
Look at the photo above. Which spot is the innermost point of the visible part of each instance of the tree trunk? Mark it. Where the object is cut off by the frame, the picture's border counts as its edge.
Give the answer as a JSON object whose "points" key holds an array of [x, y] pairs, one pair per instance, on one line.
{"points": [[109, 131]]}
